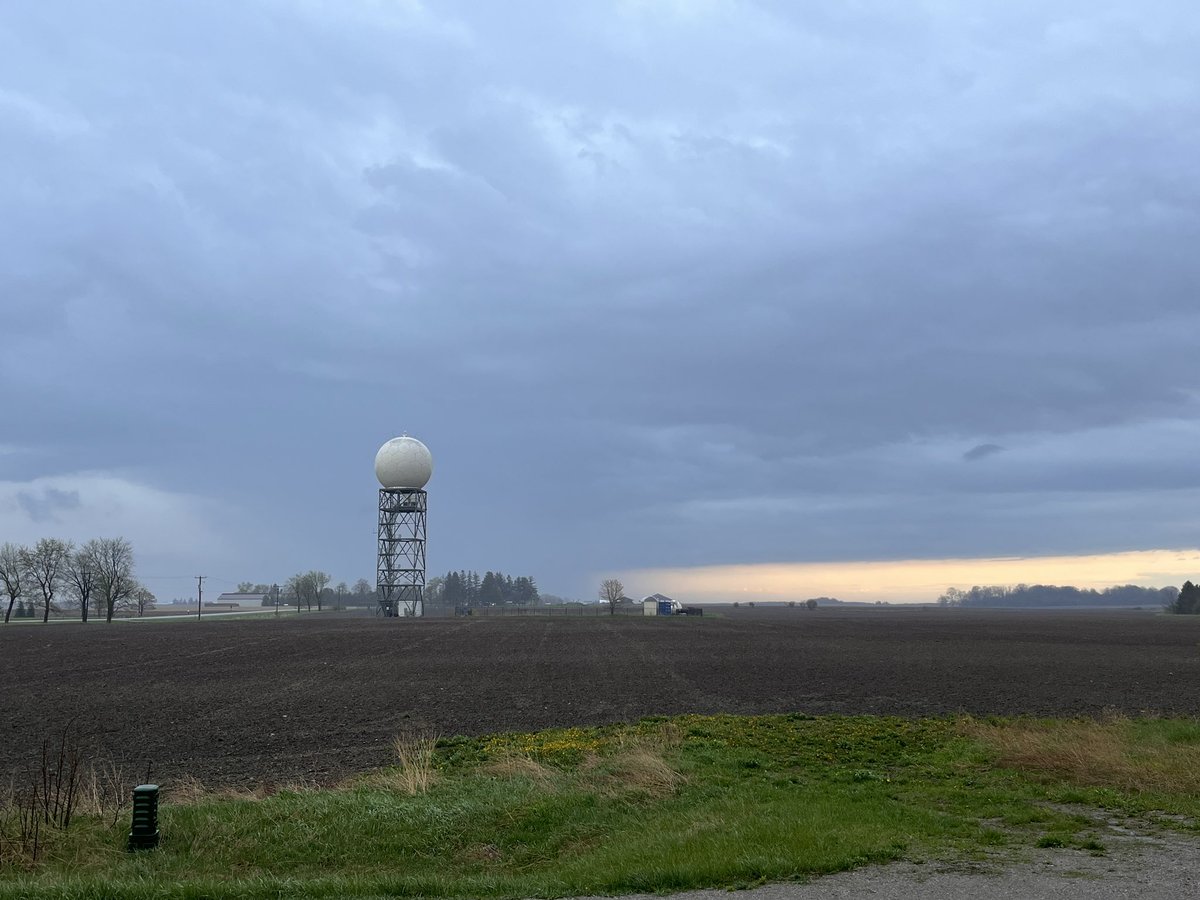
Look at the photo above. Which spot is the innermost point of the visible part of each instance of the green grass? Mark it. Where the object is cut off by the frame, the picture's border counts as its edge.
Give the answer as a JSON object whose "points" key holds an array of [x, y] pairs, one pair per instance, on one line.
{"points": [[660, 805]]}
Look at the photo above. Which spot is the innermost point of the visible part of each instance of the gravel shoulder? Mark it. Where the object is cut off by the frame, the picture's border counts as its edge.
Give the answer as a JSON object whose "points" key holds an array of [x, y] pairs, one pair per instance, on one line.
{"points": [[1139, 862]]}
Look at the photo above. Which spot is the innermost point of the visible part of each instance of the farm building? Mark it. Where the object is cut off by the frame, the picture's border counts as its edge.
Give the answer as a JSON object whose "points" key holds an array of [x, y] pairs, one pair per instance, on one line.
{"points": [[235, 599], [660, 605]]}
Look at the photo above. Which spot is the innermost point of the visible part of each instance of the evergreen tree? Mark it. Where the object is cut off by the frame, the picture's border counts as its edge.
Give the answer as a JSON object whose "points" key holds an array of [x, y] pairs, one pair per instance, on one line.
{"points": [[1188, 601], [466, 588], [524, 592], [490, 590], [450, 590]]}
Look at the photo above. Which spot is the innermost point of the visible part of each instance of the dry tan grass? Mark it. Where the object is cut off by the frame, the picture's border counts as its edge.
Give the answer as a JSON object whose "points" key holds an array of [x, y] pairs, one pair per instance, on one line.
{"points": [[668, 736], [643, 769], [634, 766], [104, 790], [187, 790], [517, 766], [484, 853], [1092, 753], [414, 772]]}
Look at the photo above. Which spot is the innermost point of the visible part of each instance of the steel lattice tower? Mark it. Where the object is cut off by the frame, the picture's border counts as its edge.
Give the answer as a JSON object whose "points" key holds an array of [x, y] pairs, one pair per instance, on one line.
{"points": [[400, 574], [403, 466]]}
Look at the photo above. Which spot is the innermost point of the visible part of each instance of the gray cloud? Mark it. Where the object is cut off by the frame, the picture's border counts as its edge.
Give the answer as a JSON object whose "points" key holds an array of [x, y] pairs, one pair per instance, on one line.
{"points": [[42, 507], [636, 272], [982, 451]]}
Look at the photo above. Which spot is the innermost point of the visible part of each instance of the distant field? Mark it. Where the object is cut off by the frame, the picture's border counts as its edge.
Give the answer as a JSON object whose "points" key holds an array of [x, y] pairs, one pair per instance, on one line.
{"points": [[318, 697]]}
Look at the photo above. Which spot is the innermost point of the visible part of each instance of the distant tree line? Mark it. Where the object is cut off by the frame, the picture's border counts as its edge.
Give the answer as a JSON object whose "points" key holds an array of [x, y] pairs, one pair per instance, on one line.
{"points": [[810, 603], [53, 575], [306, 590], [468, 588], [1037, 595]]}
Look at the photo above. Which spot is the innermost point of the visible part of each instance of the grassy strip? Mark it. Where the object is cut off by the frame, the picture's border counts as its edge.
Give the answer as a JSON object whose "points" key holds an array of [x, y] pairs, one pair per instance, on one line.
{"points": [[660, 805]]}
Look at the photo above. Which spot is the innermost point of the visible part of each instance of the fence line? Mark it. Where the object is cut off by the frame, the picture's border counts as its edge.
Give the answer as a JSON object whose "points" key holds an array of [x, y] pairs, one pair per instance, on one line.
{"points": [[580, 611]]}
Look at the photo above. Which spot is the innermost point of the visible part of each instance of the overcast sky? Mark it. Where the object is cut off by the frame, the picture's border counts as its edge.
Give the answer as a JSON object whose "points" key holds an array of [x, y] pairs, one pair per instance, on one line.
{"points": [[660, 284]]}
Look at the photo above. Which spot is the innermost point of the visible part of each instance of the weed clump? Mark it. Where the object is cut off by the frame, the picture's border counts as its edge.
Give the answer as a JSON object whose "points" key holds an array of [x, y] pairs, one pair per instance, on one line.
{"points": [[414, 772], [66, 782]]}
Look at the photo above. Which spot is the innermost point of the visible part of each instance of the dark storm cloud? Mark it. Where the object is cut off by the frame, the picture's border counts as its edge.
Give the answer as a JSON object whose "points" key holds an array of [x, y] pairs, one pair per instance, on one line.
{"points": [[659, 283], [982, 451], [42, 506]]}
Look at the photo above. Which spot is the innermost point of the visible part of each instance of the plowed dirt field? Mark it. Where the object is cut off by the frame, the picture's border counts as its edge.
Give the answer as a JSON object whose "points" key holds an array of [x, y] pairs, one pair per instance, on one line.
{"points": [[317, 697]]}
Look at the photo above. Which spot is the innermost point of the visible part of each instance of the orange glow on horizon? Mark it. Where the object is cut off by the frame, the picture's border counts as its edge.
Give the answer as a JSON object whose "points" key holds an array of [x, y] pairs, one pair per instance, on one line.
{"points": [[913, 580]]}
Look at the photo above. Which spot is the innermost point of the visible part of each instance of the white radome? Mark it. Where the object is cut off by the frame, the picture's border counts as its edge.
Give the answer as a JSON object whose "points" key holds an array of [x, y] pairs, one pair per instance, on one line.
{"points": [[403, 462]]}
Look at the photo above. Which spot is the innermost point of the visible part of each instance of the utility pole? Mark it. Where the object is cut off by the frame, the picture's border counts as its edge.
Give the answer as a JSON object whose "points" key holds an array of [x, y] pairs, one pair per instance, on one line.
{"points": [[199, 595]]}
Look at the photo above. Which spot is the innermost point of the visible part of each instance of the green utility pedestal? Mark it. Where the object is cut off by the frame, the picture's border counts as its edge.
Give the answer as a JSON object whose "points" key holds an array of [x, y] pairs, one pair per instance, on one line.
{"points": [[144, 833]]}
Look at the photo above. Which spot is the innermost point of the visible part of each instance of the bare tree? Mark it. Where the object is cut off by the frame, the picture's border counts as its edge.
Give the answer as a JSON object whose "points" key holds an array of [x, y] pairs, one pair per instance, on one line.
{"points": [[317, 582], [362, 587], [80, 577], [308, 588], [142, 599], [294, 588], [47, 565], [115, 584], [12, 571], [341, 590], [611, 592]]}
